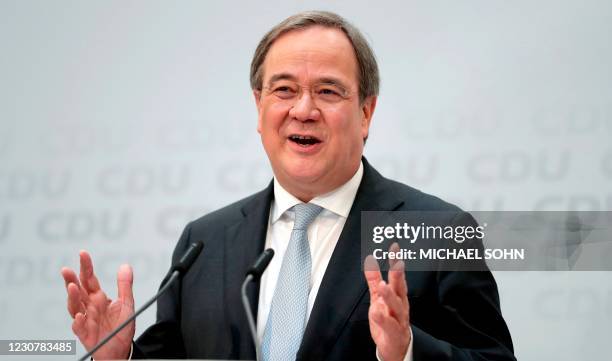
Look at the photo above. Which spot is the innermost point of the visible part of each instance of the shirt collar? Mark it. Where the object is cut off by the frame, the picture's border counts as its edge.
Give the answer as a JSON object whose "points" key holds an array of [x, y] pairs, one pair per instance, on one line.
{"points": [[338, 201]]}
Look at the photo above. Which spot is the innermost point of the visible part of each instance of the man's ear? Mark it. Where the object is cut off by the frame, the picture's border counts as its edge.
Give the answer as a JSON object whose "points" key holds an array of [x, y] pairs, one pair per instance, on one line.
{"points": [[257, 96], [367, 110]]}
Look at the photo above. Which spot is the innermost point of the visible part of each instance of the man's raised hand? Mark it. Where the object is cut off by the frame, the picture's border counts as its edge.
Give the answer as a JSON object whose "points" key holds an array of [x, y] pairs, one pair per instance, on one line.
{"points": [[95, 315], [389, 308]]}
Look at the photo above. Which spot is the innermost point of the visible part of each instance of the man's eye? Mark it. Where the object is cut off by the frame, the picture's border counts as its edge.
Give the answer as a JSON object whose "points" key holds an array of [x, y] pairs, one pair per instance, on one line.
{"points": [[328, 92], [283, 92], [283, 89]]}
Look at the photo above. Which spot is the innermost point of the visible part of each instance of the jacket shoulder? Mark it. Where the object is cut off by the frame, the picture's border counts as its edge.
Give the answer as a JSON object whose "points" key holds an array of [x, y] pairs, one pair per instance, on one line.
{"points": [[415, 199], [227, 215]]}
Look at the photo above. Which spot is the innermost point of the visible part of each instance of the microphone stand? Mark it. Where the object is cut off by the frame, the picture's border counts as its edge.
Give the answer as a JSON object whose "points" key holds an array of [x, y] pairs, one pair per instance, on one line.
{"points": [[249, 313]]}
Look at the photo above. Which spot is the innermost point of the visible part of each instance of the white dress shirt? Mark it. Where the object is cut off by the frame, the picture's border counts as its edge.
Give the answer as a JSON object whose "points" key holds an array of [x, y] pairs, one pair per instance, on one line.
{"points": [[323, 234]]}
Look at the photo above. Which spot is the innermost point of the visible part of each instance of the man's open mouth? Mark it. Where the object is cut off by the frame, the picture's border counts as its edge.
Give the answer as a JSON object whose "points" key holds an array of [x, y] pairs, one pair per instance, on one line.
{"points": [[304, 140]]}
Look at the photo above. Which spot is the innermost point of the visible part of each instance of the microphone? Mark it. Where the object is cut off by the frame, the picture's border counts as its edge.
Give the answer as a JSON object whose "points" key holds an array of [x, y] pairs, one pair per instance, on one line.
{"points": [[188, 258], [261, 264], [253, 274], [178, 270]]}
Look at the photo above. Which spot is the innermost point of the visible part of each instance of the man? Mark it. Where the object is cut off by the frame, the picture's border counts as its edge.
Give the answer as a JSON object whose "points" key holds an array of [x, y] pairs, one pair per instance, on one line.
{"points": [[315, 83]]}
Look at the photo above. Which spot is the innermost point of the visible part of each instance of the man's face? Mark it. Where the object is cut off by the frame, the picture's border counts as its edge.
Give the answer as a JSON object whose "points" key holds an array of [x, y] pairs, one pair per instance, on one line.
{"points": [[311, 121]]}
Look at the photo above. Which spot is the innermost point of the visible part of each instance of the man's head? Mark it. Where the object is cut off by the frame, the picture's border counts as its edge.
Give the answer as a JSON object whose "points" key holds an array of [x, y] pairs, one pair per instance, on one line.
{"points": [[315, 81]]}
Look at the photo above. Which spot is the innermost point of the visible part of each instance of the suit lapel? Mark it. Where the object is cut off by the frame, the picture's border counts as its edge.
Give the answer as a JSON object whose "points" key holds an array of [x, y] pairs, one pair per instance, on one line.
{"points": [[244, 241], [344, 284]]}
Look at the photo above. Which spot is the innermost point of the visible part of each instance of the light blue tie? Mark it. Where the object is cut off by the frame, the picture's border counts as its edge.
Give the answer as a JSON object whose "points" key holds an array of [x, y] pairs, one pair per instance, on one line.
{"points": [[287, 318]]}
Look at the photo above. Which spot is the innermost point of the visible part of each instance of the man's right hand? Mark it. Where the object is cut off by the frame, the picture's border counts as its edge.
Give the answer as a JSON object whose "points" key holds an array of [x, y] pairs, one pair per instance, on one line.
{"points": [[95, 315]]}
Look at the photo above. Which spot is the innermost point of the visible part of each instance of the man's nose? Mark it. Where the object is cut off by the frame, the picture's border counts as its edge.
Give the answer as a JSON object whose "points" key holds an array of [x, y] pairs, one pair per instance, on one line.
{"points": [[305, 108]]}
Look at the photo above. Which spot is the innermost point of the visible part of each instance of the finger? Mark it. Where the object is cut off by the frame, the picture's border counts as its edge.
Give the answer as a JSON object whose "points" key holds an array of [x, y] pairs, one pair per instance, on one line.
{"points": [[372, 275], [91, 321], [78, 326], [379, 315], [71, 277], [75, 304], [92, 317], [88, 279], [397, 280], [125, 280], [396, 308], [394, 248]]}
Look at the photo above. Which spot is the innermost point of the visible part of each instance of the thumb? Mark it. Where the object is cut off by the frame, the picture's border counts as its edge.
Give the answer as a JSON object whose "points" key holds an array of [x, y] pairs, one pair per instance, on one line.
{"points": [[125, 279]]}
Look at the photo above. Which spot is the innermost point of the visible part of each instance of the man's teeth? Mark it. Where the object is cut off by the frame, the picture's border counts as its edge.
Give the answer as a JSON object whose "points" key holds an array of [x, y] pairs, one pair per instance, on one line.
{"points": [[304, 139]]}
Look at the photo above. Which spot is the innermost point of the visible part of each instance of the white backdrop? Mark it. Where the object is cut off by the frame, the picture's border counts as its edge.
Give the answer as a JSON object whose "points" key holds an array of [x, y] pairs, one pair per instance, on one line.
{"points": [[122, 120]]}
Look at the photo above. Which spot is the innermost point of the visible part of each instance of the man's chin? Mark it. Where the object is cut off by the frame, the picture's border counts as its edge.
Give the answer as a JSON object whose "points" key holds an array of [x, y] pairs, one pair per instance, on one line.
{"points": [[303, 172], [303, 176]]}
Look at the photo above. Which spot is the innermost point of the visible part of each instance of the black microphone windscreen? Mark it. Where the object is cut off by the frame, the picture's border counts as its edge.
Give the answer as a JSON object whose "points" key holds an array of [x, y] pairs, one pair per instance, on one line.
{"points": [[188, 257], [261, 263]]}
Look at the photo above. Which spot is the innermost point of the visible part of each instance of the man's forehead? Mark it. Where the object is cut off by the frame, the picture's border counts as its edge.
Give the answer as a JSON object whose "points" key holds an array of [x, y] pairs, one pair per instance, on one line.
{"points": [[320, 51]]}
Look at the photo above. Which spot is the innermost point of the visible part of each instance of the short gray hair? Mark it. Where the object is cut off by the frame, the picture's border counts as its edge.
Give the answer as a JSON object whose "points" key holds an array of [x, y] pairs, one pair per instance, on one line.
{"points": [[369, 79]]}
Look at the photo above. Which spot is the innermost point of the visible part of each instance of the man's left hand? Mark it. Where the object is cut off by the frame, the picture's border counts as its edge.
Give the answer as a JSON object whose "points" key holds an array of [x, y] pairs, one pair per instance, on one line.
{"points": [[389, 308]]}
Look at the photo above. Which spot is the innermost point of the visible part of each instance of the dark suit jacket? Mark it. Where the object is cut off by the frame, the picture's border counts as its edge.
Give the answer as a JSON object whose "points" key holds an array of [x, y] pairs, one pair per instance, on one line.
{"points": [[454, 315]]}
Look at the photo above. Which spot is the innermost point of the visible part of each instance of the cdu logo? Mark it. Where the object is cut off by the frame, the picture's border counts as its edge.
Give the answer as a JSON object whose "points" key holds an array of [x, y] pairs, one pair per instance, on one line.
{"points": [[518, 166], [451, 124], [23, 185], [79, 225], [419, 169], [572, 120], [575, 202], [193, 136], [143, 180], [242, 175], [85, 139]]}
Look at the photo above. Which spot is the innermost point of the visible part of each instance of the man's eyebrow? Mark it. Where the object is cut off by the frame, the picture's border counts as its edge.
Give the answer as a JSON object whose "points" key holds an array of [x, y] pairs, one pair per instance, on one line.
{"points": [[324, 80], [281, 76], [333, 81]]}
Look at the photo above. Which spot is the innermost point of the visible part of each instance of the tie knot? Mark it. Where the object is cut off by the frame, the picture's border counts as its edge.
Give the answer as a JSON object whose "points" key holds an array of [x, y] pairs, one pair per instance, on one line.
{"points": [[305, 213]]}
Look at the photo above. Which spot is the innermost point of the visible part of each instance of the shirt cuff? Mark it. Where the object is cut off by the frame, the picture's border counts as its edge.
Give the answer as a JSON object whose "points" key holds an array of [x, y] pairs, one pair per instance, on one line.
{"points": [[408, 356], [131, 350]]}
